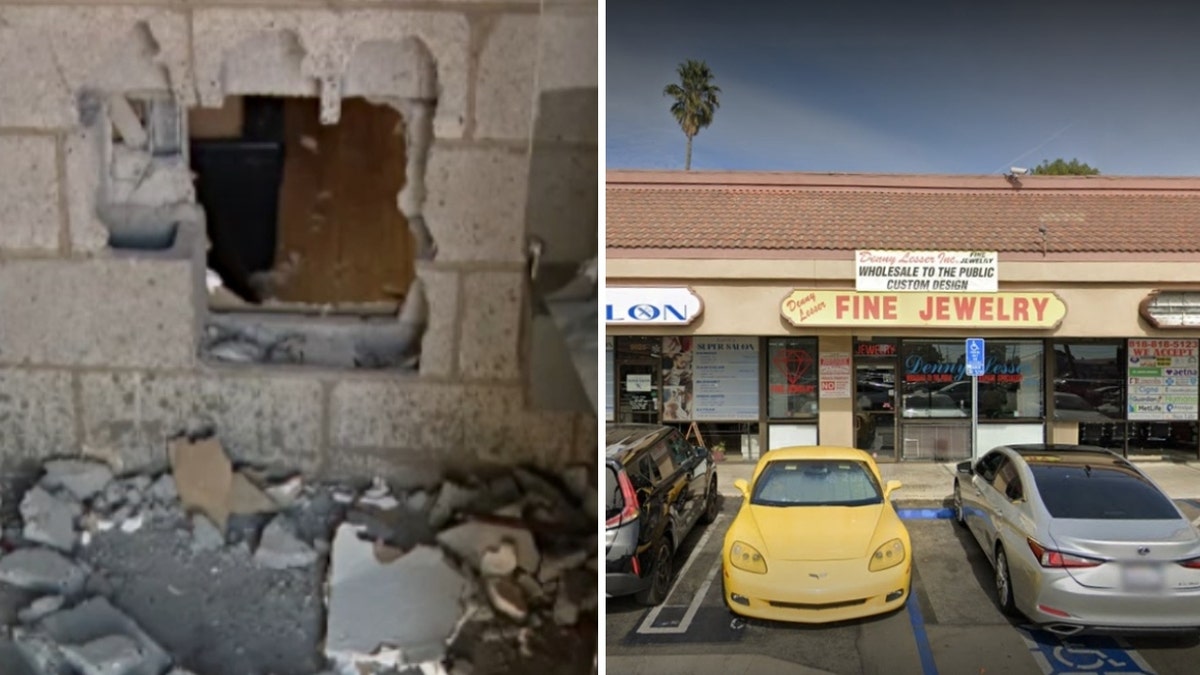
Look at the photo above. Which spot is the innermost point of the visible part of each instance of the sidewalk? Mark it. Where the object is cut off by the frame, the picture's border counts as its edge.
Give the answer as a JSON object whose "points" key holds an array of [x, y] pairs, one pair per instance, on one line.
{"points": [[933, 481]]}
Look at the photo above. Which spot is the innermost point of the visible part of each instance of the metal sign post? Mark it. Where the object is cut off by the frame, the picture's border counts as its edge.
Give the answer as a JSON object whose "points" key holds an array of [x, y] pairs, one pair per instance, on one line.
{"points": [[975, 367]]}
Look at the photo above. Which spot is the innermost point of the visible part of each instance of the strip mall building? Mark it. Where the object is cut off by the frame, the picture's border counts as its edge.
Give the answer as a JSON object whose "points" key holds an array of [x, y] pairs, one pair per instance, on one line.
{"points": [[784, 309]]}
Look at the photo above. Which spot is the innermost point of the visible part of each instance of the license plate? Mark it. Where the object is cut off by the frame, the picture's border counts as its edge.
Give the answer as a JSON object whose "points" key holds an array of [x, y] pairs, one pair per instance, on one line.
{"points": [[1142, 577]]}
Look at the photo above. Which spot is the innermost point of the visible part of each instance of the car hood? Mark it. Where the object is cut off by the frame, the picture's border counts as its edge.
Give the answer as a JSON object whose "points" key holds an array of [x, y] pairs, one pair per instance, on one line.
{"points": [[816, 532]]}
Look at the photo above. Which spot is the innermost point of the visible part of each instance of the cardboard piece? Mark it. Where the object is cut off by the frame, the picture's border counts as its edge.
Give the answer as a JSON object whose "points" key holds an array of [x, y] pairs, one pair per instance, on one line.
{"points": [[203, 477]]}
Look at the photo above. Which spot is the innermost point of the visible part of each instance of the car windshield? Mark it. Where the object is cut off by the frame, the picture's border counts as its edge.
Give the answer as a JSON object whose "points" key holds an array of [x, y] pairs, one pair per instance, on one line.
{"points": [[816, 482], [1088, 492]]}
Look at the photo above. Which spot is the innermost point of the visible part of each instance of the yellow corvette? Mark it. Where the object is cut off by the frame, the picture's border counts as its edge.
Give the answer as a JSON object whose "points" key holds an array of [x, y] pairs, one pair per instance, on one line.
{"points": [[816, 539]]}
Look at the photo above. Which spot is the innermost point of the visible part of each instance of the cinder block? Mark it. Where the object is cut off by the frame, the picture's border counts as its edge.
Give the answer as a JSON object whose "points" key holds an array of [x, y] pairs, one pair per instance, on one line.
{"points": [[82, 183], [439, 345], [490, 346], [325, 41], [476, 204], [99, 312], [500, 429], [564, 201], [29, 213], [567, 49], [396, 412], [504, 83], [111, 48], [33, 95], [37, 414], [403, 469], [273, 419]]}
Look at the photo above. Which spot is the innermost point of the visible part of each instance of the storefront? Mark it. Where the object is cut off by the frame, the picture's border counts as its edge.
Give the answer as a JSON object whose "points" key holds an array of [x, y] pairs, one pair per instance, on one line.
{"points": [[759, 347]]}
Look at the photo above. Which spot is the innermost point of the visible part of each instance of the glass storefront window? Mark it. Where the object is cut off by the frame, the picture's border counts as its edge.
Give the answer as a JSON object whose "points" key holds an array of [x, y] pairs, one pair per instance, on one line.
{"points": [[792, 378], [934, 383], [1089, 381]]}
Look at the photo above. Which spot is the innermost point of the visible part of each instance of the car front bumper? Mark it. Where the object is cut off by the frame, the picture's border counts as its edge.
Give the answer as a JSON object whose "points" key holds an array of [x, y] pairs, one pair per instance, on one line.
{"points": [[816, 592]]}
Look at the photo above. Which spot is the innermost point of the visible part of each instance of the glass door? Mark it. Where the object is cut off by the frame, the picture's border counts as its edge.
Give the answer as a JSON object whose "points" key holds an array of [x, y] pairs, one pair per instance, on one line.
{"points": [[637, 387], [875, 409]]}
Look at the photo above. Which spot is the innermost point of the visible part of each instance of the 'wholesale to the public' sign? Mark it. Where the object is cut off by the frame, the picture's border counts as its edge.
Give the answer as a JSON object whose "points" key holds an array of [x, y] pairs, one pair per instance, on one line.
{"points": [[926, 271], [816, 307], [1163, 378]]}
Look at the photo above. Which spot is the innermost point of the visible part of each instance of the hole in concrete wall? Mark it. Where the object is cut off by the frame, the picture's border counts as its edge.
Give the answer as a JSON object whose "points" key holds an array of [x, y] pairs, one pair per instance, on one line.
{"points": [[304, 213]]}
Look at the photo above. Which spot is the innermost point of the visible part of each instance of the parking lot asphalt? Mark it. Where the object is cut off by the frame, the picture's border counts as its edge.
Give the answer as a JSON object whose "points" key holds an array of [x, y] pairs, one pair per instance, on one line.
{"points": [[950, 624]]}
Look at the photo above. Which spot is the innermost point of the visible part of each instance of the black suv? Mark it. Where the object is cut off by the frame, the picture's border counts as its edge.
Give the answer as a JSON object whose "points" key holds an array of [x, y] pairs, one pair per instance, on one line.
{"points": [[658, 487]]}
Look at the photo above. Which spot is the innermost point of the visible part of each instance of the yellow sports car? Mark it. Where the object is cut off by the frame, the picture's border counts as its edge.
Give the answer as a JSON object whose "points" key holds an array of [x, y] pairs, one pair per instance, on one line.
{"points": [[816, 539]]}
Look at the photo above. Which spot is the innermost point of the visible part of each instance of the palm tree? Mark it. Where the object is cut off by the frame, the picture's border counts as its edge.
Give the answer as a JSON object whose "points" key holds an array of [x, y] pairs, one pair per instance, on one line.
{"points": [[695, 100]]}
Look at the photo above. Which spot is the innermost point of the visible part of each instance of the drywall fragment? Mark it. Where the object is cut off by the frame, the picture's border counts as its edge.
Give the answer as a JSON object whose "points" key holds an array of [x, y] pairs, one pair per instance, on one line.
{"points": [[203, 477], [363, 596], [470, 540]]}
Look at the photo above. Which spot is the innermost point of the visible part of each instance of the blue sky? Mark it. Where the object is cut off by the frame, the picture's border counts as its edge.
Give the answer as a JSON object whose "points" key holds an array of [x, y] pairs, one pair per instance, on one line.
{"points": [[914, 86]]}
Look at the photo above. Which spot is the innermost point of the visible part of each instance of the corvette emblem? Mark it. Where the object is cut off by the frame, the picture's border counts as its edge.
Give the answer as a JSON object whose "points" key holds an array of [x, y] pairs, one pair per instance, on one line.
{"points": [[1144, 550], [816, 575]]}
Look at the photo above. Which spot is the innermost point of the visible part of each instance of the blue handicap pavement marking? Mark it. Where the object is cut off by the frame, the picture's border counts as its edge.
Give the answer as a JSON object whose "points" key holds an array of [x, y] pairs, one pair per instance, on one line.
{"points": [[924, 514], [1058, 655]]}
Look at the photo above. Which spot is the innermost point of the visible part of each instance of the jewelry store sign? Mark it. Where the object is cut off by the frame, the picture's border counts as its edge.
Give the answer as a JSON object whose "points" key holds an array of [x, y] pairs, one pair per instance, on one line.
{"points": [[925, 271], [819, 307], [1164, 379]]}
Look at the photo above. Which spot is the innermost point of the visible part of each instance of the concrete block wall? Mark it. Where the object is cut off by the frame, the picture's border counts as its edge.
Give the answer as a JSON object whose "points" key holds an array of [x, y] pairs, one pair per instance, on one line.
{"points": [[98, 348]]}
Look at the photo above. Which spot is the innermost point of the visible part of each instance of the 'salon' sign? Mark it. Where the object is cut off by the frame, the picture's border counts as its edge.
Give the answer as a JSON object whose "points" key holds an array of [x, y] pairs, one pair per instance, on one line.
{"points": [[923, 271], [990, 310], [653, 305]]}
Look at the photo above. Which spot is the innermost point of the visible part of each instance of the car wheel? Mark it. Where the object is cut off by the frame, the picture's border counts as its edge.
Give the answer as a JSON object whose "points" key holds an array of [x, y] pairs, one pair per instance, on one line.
{"points": [[1004, 591], [959, 515], [712, 503], [660, 576]]}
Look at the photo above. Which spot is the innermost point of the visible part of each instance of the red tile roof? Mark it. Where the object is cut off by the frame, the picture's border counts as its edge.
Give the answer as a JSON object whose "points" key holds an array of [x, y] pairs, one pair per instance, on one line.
{"points": [[702, 210]]}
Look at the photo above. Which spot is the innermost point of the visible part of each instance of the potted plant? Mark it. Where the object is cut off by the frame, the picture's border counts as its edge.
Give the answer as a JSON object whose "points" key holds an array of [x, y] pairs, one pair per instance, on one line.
{"points": [[718, 451]]}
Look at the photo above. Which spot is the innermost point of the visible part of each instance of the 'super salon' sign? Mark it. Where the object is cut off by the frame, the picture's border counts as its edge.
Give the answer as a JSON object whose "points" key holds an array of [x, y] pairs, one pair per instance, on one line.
{"points": [[925, 271], [993, 310], [651, 305]]}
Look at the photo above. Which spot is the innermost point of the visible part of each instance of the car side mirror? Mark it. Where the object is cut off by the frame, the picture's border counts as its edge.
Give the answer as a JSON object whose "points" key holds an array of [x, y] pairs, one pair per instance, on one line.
{"points": [[699, 450], [964, 468], [892, 486], [743, 487]]}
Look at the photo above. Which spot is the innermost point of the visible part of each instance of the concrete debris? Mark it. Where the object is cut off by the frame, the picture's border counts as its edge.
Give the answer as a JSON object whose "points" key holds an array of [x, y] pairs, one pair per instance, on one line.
{"points": [[43, 606], [285, 494], [109, 655], [81, 478], [499, 561], [280, 549], [163, 490], [495, 562], [566, 611], [49, 520], [365, 596], [95, 619], [379, 495], [470, 540], [41, 569], [450, 499], [205, 535]]}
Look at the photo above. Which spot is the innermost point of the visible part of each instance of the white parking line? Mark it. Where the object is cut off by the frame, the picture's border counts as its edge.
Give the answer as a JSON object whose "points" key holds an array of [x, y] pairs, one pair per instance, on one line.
{"points": [[648, 623]]}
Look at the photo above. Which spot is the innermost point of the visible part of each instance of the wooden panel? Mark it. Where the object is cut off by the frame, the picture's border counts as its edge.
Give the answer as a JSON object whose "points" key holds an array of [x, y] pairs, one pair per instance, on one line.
{"points": [[342, 237], [212, 123]]}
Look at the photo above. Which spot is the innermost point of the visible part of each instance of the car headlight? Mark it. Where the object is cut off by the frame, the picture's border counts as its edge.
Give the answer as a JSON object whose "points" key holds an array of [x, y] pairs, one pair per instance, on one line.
{"points": [[888, 555], [745, 557]]}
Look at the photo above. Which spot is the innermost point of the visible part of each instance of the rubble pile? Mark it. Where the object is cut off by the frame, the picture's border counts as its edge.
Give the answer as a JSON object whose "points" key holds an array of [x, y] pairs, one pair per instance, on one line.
{"points": [[211, 568]]}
